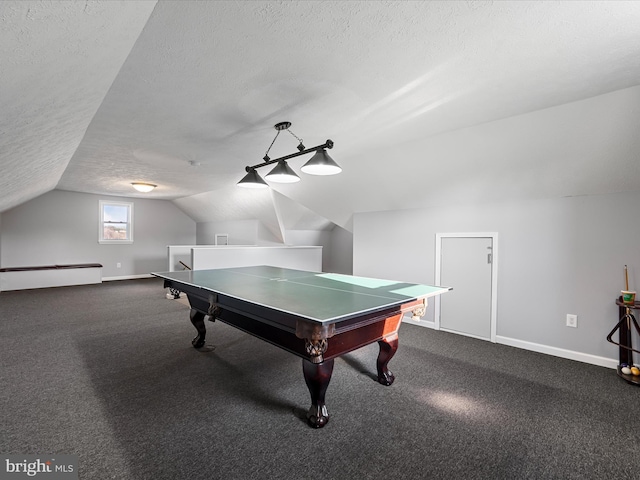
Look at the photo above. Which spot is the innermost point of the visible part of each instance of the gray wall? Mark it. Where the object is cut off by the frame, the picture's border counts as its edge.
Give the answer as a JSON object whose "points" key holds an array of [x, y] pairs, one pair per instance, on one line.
{"points": [[62, 227], [337, 244], [241, 232], [337, 247], [341, 247], [556, 256]]}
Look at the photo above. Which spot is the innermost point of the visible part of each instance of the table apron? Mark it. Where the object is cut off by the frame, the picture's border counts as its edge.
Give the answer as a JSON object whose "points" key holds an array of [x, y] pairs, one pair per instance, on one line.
{"points": [[338, 344], [205, 301], [345, 335]]}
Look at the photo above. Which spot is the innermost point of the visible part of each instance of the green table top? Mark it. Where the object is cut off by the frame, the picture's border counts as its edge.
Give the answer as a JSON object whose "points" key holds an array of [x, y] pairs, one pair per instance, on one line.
{"points": [[320, 297]]}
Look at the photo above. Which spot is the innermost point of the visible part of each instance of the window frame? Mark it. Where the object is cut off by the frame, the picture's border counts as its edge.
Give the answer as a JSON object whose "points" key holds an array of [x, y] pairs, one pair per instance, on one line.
{"points": [[104, 203]]}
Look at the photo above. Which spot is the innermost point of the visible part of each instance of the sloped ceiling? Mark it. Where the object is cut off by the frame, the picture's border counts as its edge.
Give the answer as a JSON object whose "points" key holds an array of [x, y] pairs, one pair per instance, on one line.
{"points": [[427, 102], [58, 60]]}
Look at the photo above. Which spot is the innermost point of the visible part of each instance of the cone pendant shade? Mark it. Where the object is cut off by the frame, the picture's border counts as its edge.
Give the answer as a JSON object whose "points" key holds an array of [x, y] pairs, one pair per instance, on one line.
{"points": [[282, 173], [321, 164], [252, 180]]}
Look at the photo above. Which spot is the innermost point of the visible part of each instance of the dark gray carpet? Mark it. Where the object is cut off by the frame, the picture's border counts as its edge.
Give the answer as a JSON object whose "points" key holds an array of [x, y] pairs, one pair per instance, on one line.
{"points": [[107, 372]]}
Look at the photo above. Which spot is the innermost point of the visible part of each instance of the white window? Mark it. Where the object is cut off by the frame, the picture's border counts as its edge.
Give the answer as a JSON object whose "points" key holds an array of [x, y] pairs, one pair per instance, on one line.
{"points": [[116, 222]]}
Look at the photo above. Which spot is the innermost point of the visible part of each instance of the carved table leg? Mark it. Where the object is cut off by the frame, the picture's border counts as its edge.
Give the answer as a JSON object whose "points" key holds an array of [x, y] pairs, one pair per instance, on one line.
{"points": [[317, 376], [388, 348], [197, 319]]}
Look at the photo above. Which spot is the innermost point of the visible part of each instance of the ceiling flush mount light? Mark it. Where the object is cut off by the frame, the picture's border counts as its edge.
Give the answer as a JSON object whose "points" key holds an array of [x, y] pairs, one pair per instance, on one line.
{"points": [[143, 187], [320, 164]]}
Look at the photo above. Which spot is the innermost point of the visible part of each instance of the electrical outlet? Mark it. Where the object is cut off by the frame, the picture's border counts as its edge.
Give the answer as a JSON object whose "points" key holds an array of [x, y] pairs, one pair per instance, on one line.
{"points": [[572, 320], [118, 265]]}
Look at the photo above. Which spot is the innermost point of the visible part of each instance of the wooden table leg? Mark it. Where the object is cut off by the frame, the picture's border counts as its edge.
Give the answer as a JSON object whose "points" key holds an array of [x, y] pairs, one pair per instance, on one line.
{"points": [[317, 376], [388, 348], [197, 319]]}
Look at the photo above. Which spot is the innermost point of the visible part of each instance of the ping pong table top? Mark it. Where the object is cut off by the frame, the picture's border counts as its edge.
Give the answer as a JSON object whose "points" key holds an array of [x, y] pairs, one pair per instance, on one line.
{"points": [[319, 297]]}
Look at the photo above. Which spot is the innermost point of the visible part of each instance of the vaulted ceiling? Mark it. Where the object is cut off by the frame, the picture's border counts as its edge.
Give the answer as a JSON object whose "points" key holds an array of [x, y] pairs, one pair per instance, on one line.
{"points": [[428, 102]]}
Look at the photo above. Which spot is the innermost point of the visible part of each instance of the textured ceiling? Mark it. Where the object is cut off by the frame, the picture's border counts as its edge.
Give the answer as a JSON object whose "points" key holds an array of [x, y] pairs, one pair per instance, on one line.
{"points": [[58, 60], [427, 102]]}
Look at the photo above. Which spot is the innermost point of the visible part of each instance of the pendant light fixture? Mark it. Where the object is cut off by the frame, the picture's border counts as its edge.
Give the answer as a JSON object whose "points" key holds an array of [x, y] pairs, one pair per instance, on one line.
{"points": [[320, 164], [252, 180], [282, 173]]}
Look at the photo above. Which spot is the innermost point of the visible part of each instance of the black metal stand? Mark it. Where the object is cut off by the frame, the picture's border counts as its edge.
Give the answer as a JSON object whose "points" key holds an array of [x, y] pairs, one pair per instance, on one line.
{"points": [[625, 343]]}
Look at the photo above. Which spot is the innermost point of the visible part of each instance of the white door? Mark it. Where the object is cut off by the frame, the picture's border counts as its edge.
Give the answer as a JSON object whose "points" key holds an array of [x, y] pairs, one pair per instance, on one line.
{"points": [[466, 264]]}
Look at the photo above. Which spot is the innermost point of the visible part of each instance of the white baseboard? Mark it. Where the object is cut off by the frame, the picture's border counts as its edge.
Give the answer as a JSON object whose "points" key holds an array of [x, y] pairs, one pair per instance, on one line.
{"points": [[537, 347], [127, 277], [420, 323], [559, 352]]}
